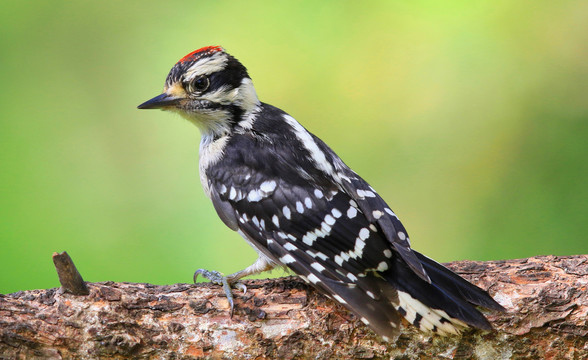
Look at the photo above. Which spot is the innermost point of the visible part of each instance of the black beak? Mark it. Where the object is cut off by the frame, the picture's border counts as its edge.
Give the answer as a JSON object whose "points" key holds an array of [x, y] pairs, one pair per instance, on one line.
{"points": [[160, 101]]}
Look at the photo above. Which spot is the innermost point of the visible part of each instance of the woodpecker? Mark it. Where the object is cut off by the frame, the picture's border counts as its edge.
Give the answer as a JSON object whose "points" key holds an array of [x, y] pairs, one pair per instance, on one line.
{"points": [[301, 207]]}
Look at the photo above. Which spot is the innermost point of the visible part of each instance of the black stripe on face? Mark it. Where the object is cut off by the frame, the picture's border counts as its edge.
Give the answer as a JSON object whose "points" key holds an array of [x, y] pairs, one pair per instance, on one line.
{"points": [[230, 77], [234, 72]]}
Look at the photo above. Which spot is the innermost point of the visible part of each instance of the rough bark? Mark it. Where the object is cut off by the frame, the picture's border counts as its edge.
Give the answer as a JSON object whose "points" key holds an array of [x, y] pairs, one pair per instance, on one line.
{"points": [[546, 298]]}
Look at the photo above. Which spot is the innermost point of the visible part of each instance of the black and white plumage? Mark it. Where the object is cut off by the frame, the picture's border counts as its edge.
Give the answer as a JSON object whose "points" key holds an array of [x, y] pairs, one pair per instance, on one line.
{"points": [[295, 201]]}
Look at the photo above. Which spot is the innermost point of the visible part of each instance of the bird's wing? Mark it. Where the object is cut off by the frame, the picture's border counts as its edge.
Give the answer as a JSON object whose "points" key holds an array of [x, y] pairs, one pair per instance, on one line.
{"points": [[374, 209], [309, 224]]}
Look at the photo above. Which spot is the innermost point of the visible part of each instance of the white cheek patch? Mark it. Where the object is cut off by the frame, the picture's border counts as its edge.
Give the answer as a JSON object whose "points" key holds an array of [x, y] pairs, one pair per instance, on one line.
{"points": [[246, 97], [220, 96]]}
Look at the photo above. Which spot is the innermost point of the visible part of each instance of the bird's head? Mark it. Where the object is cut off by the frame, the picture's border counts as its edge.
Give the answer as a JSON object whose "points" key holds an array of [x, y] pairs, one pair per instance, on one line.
{"points": [[208, 87]]}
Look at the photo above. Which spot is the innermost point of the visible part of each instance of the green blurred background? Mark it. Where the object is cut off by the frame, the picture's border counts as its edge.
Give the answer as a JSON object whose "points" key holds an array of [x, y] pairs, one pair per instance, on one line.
{"points": [[470, 119]]}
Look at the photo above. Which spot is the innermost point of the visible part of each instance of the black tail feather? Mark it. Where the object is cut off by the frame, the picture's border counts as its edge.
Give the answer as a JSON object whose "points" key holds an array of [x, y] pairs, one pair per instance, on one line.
{"points": [[452, 283], [447, 293]]}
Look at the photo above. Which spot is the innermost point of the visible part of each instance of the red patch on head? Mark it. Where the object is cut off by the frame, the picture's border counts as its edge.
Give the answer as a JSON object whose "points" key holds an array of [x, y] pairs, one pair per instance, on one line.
{"points": [[207, 50]]}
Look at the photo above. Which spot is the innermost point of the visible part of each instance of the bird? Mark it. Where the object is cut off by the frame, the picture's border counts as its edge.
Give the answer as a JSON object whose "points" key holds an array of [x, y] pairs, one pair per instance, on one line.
{"points": [[302, 208]]}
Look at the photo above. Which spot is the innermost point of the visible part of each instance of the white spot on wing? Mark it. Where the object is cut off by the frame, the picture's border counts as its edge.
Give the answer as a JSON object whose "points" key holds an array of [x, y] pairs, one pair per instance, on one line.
{"points": [[286, 212], [364, 233], [382, 266], [368, 193], [254, 195], [287, 259], [309, 238], [358, 249], [276, 221], [299, 207], [318, 254], [390, 212], [240, 196], [317, 266], [289, 247], [351, 277], [352, 212], [313, 279], [268, 186], [365, 193], [319, 194], [345, 256], [330, 220], [320, 232], [321, 256]]}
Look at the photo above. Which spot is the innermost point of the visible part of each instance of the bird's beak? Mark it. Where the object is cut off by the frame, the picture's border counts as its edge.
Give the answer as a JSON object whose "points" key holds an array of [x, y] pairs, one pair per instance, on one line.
{"points": [[160, 101]]}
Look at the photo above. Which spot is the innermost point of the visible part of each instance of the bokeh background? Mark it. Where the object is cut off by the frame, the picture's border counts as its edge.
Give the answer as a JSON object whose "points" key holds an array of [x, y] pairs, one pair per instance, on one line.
{"points": [[470, 119]]}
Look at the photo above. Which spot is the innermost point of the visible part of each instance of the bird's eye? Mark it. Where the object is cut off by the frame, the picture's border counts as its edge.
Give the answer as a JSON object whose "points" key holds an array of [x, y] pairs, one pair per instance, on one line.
{"points": [[199, 84]]}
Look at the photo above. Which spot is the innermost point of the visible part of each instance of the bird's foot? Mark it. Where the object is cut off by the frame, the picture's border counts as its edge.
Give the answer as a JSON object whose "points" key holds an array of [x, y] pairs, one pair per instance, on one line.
{"points": [[218, 278]]}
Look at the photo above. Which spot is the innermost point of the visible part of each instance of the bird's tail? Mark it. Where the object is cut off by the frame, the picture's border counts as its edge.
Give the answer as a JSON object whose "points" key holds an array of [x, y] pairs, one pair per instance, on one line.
{"points": [[446, 305]]}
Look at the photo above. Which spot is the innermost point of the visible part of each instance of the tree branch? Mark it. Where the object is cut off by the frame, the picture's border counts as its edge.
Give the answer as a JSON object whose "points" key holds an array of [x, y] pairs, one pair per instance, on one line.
{"points": [[546, 298], [69, 277]]}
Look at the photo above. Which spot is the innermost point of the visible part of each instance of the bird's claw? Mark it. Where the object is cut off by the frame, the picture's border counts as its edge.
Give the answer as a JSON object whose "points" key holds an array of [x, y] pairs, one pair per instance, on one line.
{"points": [[218, 278], [241, 286]]}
